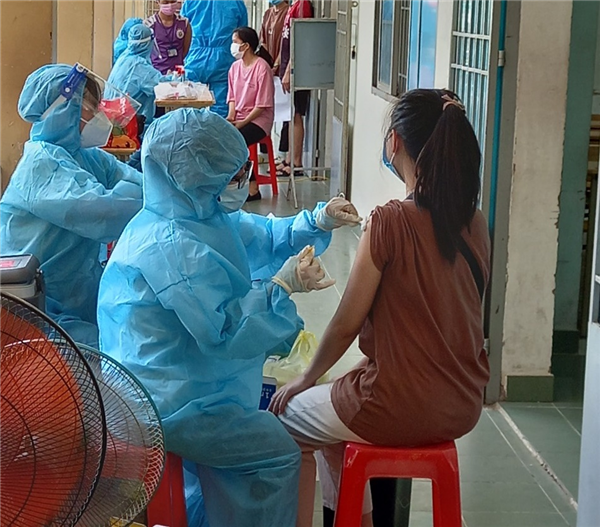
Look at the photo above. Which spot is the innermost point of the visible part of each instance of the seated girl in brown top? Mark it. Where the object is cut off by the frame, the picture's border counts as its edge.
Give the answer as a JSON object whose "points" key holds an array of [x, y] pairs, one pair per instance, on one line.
{"points": [[414, 299]]}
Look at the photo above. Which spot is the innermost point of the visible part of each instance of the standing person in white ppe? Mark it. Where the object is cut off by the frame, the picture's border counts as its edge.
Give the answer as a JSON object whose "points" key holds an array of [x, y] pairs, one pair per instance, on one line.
{"points": [[196, 295]]}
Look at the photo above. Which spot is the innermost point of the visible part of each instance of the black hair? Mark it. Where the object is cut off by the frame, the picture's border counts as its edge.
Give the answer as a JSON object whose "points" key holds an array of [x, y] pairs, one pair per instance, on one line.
{"points": [[248, 36], [438, 136], [92, 91]]}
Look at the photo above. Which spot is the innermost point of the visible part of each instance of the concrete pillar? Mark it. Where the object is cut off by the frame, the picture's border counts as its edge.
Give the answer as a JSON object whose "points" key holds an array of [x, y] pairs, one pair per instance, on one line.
{"points": [[26, 28], [541, 93], [75, 32], [104, 37]]}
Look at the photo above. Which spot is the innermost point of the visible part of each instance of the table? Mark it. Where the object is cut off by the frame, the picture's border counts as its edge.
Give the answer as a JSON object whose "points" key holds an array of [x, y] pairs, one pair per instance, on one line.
{"points": [[122, 154], [174, 104]]}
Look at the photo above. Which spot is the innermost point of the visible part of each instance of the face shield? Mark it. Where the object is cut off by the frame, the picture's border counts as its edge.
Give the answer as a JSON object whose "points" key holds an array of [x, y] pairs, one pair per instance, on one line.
{"points": [[103, 107], [235, 194]]}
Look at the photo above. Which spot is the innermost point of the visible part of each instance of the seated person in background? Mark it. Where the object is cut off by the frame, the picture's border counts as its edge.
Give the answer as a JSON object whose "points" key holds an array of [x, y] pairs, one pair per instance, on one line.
{"points": [[415, 297], [251, 95], [196, 295], [121, 41], [173, 35], [134, 74], [66, 197]]}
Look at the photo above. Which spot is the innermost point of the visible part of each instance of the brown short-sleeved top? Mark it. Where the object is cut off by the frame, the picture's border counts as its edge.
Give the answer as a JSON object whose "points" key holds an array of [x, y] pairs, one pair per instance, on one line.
{"points": [[423, 336]]}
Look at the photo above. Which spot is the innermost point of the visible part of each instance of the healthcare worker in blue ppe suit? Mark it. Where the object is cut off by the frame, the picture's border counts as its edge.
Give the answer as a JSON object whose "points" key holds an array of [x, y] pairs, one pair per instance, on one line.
{"points": [[66, 197], [134, 74], [120, 43], [209, 58], [189, 303]]}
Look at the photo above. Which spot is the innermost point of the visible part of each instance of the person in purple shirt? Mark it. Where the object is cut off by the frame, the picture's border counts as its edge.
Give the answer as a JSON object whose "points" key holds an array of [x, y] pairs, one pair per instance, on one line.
{"points": [[172, 34]]}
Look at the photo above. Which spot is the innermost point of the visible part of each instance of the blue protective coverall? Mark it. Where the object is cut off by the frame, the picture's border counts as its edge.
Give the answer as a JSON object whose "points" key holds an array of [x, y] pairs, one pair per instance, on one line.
{"points": [[134, 74], [209, 58], [64, 201], [178, 306], [120, 43]]}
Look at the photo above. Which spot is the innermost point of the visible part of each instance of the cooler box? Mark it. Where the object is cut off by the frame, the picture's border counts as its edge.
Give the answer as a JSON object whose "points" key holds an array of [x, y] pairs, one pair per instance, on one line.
{"points": [[269, 387], [22, 277]]}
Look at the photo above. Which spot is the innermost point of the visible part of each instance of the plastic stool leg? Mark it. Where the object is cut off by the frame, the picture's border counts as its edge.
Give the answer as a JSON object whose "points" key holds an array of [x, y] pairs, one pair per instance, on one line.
{"points": [[272, 167], [352, 490], [253, 154], [167, 507], [446, 492]]}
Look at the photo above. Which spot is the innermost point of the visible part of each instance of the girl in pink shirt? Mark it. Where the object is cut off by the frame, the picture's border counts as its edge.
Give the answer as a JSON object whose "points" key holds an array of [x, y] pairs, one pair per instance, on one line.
{"points": [[251, 91]]}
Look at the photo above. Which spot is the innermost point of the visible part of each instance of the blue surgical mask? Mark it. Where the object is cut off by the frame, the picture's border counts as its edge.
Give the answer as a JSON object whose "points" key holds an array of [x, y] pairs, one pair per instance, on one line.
{"points": [[233, 198], [275, 2], [388, 163]]}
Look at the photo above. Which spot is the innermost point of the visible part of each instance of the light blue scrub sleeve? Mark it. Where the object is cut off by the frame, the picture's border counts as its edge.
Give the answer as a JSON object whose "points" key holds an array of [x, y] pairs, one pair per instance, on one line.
{"points": [[118, 171], [222, 325], [74, 201], [270, 241]]}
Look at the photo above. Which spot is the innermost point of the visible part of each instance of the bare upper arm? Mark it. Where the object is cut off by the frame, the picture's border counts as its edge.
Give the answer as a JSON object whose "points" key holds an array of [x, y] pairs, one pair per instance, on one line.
{"points": [[361, 289]]}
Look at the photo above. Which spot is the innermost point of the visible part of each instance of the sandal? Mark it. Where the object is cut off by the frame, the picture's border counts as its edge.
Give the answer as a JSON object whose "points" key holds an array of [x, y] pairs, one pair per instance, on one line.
{"points": [[286, 173], [282, 166]]}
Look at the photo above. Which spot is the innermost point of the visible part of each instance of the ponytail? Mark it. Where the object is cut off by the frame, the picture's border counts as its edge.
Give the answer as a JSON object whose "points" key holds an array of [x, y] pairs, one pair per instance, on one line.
{"points": [[265, 55], [438, 136], [250, 37]]}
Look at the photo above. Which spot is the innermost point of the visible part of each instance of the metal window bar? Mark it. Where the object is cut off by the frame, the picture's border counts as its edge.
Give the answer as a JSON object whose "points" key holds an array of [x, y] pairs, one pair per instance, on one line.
{"points": [[397, 82], [471, 40]]}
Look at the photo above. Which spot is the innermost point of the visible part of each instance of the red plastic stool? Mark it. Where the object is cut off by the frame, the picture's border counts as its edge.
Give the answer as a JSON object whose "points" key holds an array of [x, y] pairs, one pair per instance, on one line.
{"points": [[439, 463], [271, 177], [167, 507]]}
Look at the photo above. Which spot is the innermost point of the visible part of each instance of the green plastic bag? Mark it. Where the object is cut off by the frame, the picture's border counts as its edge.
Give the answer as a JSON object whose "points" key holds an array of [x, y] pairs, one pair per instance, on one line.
{"points": [[286, 369]]}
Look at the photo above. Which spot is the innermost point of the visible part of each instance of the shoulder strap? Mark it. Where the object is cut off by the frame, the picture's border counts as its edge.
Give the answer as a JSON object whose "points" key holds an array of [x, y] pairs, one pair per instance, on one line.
{"points": [[468, 255]]}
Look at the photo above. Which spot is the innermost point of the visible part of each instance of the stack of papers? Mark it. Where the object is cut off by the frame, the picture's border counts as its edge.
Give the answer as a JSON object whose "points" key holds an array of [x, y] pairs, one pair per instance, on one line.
{"points": [[195, 91]]}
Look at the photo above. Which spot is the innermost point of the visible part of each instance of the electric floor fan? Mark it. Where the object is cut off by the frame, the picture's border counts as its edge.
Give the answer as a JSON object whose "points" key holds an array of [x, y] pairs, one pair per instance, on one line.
{"points": [[80, 439]]}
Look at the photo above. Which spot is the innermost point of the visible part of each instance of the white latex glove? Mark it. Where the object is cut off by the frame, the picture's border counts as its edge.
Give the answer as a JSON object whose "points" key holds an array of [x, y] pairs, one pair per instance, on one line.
{"points": [[302, 273], [337, 213]]}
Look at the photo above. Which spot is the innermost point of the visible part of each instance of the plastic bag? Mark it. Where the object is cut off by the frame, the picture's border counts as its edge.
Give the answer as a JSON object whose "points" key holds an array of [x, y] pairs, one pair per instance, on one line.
{"points": [[122, 115], [286, 369]]}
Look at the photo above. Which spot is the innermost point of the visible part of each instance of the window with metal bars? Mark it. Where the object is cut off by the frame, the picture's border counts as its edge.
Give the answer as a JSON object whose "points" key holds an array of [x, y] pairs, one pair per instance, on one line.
{"points": [[404, 47]]}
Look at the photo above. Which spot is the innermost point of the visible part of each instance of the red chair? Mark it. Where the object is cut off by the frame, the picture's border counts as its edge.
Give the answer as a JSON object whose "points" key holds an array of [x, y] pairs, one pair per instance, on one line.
{"points": [[271, 177], [439, 463], [167, 507]]}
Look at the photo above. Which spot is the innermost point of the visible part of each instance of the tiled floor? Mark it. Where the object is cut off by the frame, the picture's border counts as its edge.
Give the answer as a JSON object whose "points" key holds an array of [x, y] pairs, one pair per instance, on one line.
{"points": [[503, 484]]}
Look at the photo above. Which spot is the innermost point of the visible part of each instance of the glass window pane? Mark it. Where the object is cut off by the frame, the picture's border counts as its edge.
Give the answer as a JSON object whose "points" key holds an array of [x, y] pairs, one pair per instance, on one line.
{"points": [[386, 41]]}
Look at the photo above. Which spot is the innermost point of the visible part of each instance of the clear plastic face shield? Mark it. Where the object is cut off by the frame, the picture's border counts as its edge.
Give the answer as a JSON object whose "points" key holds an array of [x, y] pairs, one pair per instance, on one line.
{"points": [[102, 105], [235, 194]]}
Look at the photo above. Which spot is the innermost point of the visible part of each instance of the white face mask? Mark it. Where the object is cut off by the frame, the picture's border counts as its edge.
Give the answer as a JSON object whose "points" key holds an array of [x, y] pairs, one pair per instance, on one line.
{"points": [[233, 198], [96, 132], [235, 51]]}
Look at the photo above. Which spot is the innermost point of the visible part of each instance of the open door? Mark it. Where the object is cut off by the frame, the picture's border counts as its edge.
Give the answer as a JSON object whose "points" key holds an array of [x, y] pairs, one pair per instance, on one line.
{"points": [[588, 512], [340, 136]]}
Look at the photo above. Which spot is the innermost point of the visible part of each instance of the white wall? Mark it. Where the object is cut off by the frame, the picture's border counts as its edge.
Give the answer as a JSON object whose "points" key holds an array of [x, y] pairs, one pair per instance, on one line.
{"points": [[372, 183], [537, 163]]}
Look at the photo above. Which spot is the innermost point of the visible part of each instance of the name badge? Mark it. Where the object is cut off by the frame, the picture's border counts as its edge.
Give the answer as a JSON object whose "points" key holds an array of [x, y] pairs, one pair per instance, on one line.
{"points": [[172, 53]]}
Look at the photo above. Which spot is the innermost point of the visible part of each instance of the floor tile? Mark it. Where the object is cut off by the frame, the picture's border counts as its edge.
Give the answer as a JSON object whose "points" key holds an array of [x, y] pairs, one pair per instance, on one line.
{"points": [[492, 519]]}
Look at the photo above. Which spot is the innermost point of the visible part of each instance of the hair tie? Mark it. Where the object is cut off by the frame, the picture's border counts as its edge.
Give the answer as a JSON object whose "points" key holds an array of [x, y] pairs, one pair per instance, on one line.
{"points": [[450, 101]]}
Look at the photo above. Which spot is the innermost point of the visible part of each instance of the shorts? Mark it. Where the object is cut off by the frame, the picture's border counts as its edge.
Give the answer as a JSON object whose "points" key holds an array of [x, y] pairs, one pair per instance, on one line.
{"points": [[301, 101], [312, 421]]}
